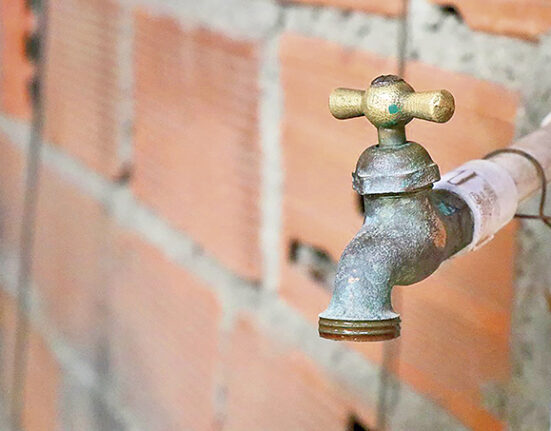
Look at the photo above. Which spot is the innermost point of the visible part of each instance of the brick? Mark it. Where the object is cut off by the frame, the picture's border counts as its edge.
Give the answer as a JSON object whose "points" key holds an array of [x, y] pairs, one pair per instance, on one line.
{"points": [[389, 8], [527, 19], [83, 82], [320, 209], [272, 387], [72, 257], [41, 387], [16, 70], [197, 156], [11, 194], [164, 339], [42, 376], [7, 322]]}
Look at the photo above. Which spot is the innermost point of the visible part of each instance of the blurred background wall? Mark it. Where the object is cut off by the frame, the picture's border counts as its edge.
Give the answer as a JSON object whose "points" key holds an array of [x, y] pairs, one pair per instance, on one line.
{"points": [[195, 194]]}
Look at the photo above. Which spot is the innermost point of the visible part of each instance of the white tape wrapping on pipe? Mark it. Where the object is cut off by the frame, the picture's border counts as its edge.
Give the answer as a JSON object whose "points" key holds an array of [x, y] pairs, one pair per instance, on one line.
{"points": [[489, 191]]}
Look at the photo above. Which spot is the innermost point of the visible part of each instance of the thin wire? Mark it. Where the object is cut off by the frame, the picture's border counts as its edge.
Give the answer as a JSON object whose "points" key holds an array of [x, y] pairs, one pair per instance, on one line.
{"points": [[403, 38], [541, 175], [28, 220], [388, 396]]}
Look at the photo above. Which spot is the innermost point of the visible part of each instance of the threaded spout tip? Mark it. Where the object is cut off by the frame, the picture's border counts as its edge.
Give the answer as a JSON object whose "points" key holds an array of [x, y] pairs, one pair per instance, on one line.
{"points": [[359, 330]]}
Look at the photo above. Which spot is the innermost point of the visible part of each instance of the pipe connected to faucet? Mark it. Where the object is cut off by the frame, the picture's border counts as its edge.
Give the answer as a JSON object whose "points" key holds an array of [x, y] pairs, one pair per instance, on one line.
{"points": [[413, 219]]}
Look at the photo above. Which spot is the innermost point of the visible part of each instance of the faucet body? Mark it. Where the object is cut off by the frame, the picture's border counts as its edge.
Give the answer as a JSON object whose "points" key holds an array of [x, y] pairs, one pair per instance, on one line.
{"points": [[403, 240], [414, 220], [409, 228]]}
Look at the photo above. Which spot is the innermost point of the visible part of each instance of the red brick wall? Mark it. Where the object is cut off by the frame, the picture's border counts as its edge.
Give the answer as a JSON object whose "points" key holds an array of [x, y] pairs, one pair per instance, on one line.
{"points": [[216, 197], [165, 336], [82, 86], [15, 25], [150, 266], [42, 379], [72, 259], [11, 189], [289, 390]]}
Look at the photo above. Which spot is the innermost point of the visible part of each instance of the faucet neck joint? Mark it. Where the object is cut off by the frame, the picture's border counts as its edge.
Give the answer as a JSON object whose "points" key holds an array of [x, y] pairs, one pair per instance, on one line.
{"points": [[391, 137]]}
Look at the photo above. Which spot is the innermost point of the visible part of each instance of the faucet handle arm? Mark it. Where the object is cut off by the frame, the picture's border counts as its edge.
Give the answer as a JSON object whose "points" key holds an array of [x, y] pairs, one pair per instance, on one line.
{"points": [[346, 103], [389, 104], [437, 106]]}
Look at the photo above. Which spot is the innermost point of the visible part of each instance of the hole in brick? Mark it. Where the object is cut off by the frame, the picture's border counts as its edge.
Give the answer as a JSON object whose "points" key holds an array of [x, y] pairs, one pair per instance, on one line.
{"points": [[354, 424], [447, 11], [124, 175], [314, 261], [293, 251], [33, 4], [360, 204], [451, 11], [32, 47]]}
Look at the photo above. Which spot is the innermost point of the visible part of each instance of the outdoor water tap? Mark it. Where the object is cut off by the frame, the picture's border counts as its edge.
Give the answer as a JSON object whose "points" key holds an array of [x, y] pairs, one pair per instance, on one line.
{"points": [[409, 228]]}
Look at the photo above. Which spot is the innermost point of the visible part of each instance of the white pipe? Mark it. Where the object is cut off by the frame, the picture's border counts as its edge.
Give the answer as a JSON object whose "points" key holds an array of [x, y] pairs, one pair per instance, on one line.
{"points": [[538, 145], [494, 188]]}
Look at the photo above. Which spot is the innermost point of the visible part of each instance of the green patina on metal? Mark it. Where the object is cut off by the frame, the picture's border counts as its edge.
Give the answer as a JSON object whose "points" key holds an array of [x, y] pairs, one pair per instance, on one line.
{"points": [[404, 239], [390, 123], [446, 209], [409, 228]]}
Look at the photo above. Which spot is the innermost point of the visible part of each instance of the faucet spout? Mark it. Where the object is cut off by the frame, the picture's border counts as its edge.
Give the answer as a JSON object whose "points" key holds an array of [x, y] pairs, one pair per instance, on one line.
{"points": [[404, 238], [361, 308]]}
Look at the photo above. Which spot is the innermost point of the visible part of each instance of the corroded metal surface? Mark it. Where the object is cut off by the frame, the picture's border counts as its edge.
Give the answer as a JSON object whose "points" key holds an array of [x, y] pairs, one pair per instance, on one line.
{"points": [[403, 240], [397, 169], [409, 229], [394, 165], [391, 103], [359, 330]]}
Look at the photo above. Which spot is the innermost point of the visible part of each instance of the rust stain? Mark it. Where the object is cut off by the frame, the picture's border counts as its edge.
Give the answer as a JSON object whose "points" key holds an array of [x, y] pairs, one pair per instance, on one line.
{"points": [[441, 236]]}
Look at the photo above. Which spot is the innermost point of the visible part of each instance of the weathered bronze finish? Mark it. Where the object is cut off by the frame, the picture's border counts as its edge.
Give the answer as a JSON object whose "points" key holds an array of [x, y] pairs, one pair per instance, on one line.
{"points": [[403, 240], [409, 228], [403, 168], [394, 165], [359, 330], [391, 103]]}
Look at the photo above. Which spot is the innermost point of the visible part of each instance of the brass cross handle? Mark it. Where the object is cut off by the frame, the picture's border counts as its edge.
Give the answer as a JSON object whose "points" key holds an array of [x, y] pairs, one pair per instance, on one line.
{"points": [[389, 104]]}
